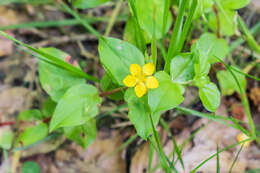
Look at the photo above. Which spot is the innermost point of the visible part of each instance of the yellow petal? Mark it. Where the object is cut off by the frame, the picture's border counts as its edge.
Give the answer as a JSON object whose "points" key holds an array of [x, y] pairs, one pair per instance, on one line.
{"points": [[242, 137], [129, 81], [151, 82], [148, 69], [135, 69], [140, 89]]}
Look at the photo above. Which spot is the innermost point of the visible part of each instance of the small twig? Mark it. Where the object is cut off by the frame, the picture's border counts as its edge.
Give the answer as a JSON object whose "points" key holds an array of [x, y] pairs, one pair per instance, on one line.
{"points": [[113, 18], [218, 21], [111, 92]]}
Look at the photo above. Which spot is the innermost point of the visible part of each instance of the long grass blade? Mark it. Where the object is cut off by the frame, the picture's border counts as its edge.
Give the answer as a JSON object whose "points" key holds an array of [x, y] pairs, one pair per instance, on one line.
{"points": [[234, 161], [220, 151], [52, 59], [176, 147]]}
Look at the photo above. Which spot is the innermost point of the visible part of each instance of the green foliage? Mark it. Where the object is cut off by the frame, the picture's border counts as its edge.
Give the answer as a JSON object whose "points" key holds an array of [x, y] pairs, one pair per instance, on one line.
{"points": [[107, 84], [182, 68], [6, 139], [139, 113], [78, 105], [228, 84], [83, 4], [48, 108], [210, 96], [130, 33], [145, 10], [211, 46], [234, 4], [56, 80], [167, 96], [32, 134], [117, 56], [31, 167], [83, 135], [30, 115], [227, 25]]}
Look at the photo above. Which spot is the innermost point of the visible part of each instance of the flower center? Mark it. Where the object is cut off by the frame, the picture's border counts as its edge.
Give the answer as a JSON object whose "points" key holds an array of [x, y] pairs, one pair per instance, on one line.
{"points": [[140, 78]]}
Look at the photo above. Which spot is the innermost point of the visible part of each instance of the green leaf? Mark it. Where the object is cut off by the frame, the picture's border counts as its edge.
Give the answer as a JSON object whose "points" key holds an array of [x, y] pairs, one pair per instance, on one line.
{"points": [[31, 167], [139, 113], [107, 84], [227, 82], [48, 108], [82, 135], [167, 96], [83, 4], [6, 139], [130, 33], [78, 105], [202, 65], [56, 80], [182, 68], [210, 96], [30, 115], [145, 11], [227, 24], [117, 56], [234, 4], [212, 46], [32, 134]]}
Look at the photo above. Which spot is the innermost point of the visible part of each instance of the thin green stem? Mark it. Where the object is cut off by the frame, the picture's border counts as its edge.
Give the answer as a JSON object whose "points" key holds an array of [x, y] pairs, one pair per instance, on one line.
{"points": [[113, 17]]}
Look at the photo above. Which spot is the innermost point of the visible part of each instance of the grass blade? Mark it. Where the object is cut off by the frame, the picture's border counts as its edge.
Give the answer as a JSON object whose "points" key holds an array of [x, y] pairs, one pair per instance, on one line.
{"points": [[217, 118], [57, 23], [218, 164], [150, 161], [139, 37], [165, 15], [248, 36], [220, 151], [52, 59], [180, 32], [177, 149], [233, 163]]}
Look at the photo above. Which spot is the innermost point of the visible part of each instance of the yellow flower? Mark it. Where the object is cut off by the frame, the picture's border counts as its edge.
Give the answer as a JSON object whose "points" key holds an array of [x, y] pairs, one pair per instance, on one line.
{"points": [[242, 137], [141, 79]]}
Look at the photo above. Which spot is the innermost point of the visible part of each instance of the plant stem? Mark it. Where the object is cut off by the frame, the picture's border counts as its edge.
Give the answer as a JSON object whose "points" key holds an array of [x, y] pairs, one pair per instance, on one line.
{"points": [[218, 20], [104, 94], [113, 18]]}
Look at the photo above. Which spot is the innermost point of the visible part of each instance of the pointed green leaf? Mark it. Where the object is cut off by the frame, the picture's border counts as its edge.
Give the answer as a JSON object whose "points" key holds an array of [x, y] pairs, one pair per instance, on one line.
{"points": [[6, 139], [139, 113], [145, 15], [48, 108], [117, 56], [167, 96], [212, 46], [30, 115], [56, 80], [78, 105], [227, 82], [32, 134], [82, 135], [182, 68], [210, 96]]}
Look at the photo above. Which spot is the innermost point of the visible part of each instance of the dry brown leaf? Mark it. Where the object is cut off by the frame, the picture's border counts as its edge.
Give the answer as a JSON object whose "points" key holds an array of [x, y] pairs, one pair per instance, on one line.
{"points": [[97, 158], [14, 100], [255, 95]]}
